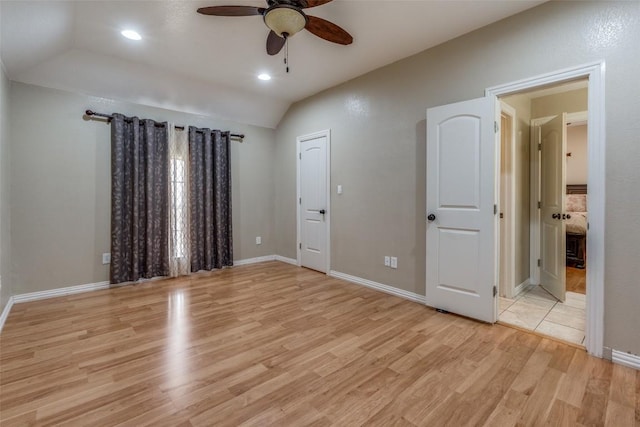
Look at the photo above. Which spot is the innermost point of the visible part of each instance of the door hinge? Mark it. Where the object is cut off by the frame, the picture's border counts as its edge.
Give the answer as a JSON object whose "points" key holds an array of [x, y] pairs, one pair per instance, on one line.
{"points": [[539, 205], [539, 147], [495, 209], [495, 291], [300, 245], [300, 156], [300, 200], [539, 262], [495, 126]]}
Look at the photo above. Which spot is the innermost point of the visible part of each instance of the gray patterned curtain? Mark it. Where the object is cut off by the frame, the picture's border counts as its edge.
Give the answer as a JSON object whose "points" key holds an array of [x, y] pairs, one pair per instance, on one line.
{"points": [[210, 199], [139, 199]]}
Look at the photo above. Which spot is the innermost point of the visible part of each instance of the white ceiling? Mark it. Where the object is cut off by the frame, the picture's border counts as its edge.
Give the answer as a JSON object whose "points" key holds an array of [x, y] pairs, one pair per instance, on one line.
{"points": [[208, 65]]}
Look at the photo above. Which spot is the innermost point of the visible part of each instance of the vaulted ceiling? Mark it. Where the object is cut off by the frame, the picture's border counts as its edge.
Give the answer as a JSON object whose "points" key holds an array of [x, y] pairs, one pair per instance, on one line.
{"points": [[208, 65]]}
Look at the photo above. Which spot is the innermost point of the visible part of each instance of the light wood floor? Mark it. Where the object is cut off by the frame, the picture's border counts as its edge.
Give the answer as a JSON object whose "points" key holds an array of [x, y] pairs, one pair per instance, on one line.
{"points": [[274, 344], [577, 280]]}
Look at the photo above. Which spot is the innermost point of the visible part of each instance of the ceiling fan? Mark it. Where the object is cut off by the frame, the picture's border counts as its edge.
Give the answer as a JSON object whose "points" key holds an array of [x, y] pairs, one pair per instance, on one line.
{"points": [[285, 18]]}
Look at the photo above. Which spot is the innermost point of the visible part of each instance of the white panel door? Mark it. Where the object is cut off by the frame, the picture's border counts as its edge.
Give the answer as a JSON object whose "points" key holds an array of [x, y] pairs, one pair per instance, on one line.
{"points": [[553, 251], [461, 239], [313, 202]]}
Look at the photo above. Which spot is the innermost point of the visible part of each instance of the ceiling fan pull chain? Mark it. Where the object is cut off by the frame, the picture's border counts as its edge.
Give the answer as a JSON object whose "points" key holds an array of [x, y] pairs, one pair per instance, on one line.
{"points": [[286, 53]]}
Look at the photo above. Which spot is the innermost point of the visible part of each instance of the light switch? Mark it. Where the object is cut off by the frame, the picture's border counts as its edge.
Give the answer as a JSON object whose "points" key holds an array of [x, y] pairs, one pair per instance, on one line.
{"points": [[339, 189], [394, 262]]}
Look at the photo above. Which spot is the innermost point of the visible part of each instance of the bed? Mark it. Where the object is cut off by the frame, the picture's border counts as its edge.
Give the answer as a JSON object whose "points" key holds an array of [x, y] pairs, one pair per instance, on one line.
{"points": [[576, 230]]}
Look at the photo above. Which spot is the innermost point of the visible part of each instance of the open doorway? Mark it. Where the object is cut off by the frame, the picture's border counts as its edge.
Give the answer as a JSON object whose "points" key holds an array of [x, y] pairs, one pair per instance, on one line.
{"points": [[543, 211]]}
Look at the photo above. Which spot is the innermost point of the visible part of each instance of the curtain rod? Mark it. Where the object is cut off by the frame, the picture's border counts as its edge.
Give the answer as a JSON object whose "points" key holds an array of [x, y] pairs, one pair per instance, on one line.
{"points": [[110, 117]]}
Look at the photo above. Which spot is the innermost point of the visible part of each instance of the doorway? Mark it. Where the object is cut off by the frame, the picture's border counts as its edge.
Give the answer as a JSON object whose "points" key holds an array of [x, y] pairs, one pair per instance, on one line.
{"points": [[462, 250], [547, 293], [313, 213]]}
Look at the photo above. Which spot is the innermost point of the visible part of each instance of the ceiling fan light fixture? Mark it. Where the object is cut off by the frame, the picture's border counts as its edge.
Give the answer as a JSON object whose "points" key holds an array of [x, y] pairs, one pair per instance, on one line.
{"points": [[285, 19]]}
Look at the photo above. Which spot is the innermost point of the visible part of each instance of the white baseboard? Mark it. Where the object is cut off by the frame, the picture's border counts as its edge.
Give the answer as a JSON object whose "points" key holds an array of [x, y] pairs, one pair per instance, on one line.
{"points": [[287, 260], [626, 359], [53, 293], [379, 286], [520, 287], [264, 259], [5, 312], [255, 260]]}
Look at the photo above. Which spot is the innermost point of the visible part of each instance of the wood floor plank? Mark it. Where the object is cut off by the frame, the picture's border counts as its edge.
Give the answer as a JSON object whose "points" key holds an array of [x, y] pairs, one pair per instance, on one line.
{"points": [[638, 399], [274, 344]]}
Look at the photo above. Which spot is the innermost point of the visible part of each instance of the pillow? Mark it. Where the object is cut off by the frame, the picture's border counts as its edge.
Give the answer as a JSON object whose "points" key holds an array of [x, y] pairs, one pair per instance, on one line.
{"points": [[576, 203]]}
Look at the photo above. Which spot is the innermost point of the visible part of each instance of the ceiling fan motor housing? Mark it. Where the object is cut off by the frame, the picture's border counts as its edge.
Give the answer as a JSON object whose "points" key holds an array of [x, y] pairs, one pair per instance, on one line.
{"points": [[284, 19], [295, 3]]}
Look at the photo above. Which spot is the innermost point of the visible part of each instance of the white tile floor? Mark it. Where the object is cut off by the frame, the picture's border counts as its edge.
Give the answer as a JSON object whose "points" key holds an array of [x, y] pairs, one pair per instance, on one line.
{"points": [[535, 309]]}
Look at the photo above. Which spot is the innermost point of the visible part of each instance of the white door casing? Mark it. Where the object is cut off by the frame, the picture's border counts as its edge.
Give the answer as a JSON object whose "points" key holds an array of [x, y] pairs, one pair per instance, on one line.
{"points": [[507, 199], [461, 185], [595, 72], [313, 200], [553, 147]]}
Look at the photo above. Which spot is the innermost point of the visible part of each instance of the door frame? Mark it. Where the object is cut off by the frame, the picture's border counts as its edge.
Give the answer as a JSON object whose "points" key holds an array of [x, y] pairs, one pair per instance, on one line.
{"points": [[327, 217], [596, 137], [507, 256]]}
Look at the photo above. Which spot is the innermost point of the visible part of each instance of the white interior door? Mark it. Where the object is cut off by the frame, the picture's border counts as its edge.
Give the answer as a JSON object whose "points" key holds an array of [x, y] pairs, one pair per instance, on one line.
{"points": [[553, 148], [461, 181], [314, 210]]}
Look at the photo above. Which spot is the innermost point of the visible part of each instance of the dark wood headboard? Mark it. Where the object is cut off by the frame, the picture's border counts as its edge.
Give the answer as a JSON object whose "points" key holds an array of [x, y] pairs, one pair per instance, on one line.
{"points": [[577, 189]]}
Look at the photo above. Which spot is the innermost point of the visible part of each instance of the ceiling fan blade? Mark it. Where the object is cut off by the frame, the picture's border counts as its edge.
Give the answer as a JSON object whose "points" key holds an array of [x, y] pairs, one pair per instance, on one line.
{"points": [[314, 3], [231, 10], [275, 43], [328, 30]]}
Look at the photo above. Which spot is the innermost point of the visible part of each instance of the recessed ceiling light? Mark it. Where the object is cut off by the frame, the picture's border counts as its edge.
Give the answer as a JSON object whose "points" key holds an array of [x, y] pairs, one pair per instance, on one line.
{"points": [[264, 76], [130, 34]]}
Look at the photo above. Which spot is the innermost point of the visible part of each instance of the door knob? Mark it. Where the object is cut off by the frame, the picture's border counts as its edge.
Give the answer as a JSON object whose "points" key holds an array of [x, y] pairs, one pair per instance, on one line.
{"points": [[322, 211], [555, 216], [566, 216], [431, 217]]}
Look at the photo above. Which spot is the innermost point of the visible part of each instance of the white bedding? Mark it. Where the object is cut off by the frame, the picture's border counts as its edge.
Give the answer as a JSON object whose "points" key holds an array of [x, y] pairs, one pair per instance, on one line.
{"points": [[577, 224]]}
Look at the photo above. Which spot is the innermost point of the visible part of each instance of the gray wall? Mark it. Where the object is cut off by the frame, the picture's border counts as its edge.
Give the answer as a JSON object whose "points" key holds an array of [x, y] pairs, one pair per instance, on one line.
{"points": [[5, 218], [573, 101], [60, 198], [378, 143]]}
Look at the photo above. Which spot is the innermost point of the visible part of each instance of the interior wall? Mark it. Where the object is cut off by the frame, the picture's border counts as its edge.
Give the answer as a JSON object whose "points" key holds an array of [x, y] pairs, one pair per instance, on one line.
{"points": [[573, 101], [378, 143], [5, 217], [577, 170], [522, 105], [60, 199]]}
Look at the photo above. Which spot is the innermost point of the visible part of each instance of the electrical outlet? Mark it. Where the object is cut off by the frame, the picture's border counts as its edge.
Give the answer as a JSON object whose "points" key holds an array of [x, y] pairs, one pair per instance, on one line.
{"points": [[387, 261], [394, 262], [258, 240], [106, 258]]}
